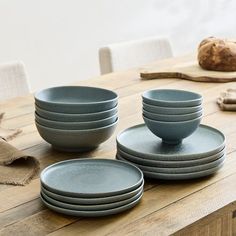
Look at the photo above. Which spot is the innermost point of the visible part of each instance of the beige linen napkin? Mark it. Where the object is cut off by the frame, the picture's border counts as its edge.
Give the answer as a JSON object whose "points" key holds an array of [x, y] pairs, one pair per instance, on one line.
{"points": [[16, 167], [227, 100]]}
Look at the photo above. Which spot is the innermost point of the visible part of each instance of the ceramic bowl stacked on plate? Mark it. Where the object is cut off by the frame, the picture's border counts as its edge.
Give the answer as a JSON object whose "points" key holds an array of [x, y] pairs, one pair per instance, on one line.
{"points": [[201, 154], [76, 118], [172, 144], [172, 114], [91, 187]]}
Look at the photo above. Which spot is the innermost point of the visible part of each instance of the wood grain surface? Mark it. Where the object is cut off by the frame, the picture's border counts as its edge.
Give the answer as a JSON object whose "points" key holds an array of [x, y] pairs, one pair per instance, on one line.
{"points": [[188, 70], [198, 207]]}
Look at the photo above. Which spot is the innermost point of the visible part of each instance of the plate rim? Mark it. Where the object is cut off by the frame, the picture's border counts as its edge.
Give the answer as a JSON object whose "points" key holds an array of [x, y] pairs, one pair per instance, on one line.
{"points": [[183, 176], [101, 200], [220, 160], [91, 207], [187, 162], [170, 156], [91, 213], [100, 194]]}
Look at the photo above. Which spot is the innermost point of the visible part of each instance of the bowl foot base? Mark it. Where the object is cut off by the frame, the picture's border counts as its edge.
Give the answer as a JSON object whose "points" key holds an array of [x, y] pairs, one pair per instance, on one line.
{"points": [[172, 142]]}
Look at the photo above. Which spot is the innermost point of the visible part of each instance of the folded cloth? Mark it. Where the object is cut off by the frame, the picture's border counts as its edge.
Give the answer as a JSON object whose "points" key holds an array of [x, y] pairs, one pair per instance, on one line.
{"points": [[16, 168], [227, 100]]}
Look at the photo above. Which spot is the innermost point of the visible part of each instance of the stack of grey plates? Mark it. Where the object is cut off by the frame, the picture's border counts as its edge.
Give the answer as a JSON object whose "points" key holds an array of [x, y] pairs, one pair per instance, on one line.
{"points": [[76, 118], [91, 187], [200, 154]]}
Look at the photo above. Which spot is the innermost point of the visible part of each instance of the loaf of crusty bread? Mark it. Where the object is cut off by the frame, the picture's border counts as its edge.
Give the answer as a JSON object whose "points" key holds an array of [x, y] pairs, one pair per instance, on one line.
{"points": [[217, 54]]}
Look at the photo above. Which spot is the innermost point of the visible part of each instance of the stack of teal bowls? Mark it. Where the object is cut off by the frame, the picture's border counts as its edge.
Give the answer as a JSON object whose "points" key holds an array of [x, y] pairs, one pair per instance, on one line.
{"points": [[172, 115], [76, 118]]}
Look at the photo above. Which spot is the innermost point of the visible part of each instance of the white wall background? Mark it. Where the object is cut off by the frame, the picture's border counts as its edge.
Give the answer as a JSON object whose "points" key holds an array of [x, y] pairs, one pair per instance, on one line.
{"points": [[58, 40]]}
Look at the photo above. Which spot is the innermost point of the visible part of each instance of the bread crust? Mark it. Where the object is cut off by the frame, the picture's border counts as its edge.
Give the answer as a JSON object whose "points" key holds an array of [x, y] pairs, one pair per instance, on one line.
{"points": [[217, 54]]}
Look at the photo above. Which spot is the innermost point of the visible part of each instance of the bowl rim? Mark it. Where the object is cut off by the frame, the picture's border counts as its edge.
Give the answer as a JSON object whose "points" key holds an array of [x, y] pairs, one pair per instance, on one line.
{"points": [[73, 122], [37, 94], [173, 115], [77, 130], [74, 114], [148, 98], [170, 108], [173, 122]]}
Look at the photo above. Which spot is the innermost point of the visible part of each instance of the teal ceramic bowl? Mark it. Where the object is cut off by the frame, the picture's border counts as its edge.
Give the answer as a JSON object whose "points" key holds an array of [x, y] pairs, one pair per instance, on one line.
{"points": [[172, 132], [75, 125], [172, 118], [66, 117], [76, 99], [76, 140], [171, 98], [171, 110]]}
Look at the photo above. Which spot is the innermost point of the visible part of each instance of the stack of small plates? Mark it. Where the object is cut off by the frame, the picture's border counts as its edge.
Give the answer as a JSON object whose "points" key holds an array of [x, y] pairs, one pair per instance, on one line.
{"points": [[201, 154], [91, 187]]}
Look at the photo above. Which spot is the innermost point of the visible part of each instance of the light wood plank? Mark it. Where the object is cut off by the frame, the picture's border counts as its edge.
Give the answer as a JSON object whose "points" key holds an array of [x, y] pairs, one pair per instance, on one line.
{"points": [[161, 198]]}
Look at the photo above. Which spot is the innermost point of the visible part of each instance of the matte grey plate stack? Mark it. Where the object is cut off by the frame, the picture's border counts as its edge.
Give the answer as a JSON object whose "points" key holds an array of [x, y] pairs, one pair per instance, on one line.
{"points": [[201, 154], [91, 187]]}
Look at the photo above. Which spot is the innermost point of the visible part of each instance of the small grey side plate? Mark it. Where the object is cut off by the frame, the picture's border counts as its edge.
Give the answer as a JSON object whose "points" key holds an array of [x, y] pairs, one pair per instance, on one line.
{"points": [[91, 177], [177, 170], [177, 163], [139, 141], [97, 207], [93, 201], [91, 213], [194, 175]]}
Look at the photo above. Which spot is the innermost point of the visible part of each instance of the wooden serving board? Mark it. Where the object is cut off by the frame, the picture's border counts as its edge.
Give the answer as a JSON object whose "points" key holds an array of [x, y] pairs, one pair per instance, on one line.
{"points": [[189, 71]]}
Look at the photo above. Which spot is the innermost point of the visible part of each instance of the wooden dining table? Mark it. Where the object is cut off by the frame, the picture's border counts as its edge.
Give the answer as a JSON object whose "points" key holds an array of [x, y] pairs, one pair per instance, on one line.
{"points": [[205, 206]]}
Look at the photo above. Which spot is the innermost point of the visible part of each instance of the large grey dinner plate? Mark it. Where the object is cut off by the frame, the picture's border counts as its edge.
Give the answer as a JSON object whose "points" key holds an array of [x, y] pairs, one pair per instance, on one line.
{"points": [[140, 141], [91, 177], [194, 175], [176, 170], [91, 207], [177, 163], [96, 200], [91, 213]]}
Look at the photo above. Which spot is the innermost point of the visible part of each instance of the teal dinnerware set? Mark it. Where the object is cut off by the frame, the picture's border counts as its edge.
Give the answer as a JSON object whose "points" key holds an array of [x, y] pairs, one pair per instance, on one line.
{"points": [[172, 144], [76, 118]]}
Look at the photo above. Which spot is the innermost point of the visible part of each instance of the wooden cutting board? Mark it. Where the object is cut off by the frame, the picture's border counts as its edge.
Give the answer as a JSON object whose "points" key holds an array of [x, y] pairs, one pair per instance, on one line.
{"points": [[189, 71]]}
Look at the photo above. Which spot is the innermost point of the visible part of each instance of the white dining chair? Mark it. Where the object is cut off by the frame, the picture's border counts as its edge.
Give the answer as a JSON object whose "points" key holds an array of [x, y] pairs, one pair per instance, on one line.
{"points": [[13, 80], [126, 55]]}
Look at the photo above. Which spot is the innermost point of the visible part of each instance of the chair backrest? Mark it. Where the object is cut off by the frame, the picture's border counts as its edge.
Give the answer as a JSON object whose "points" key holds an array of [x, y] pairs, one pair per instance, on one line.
{"points": [[121, 56], [13, 80]]}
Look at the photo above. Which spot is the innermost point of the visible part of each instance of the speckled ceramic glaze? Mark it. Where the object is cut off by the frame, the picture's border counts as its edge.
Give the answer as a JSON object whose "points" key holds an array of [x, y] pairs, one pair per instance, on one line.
{"points": [[67, 117], [140, 141], [171, 110], [144, 160], [172, 118], [172, 132], [176, 170], [183, 176], [91, 177], [76, 140], [75, 125], [95, 200], [87, 207], [76, 99], [91, 213], [171, 98]]}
